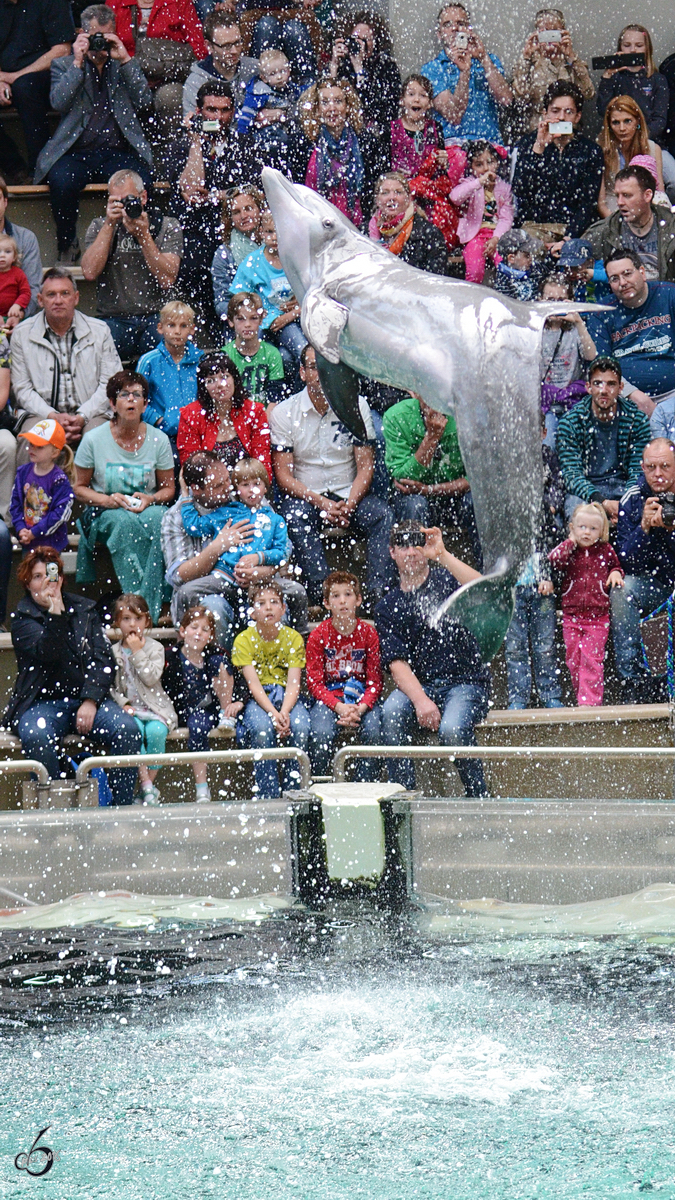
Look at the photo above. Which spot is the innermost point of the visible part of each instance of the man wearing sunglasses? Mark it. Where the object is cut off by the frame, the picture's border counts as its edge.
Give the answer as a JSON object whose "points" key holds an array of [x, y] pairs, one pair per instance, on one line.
{"points": [[225, 61], [441, 682]]}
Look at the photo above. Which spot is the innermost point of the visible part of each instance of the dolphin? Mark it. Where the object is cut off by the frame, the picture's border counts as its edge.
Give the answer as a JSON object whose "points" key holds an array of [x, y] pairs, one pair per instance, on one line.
{"points": [[465, 349]]}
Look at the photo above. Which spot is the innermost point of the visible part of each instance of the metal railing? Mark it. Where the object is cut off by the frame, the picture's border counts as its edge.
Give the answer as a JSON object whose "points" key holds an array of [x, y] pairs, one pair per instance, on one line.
{"points": [[19, 766], [499, 752], [190, 756]]}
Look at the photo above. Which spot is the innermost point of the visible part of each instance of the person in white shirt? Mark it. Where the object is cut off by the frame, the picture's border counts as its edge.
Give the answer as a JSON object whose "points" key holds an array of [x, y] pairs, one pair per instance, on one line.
{"points": [[326, 477]]}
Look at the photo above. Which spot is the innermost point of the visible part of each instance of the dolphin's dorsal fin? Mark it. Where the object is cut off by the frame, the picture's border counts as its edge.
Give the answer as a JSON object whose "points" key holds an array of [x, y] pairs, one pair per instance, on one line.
{"points": [[341, 389], [323, 320]]}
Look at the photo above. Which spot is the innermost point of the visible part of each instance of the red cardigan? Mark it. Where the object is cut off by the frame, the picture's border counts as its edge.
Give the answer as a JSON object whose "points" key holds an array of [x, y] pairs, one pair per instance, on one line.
{"points": [[198, 431], [176, 20]]}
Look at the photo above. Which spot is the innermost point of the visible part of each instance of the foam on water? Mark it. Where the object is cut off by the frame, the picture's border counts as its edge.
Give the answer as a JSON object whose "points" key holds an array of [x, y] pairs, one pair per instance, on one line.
{"points": [[444, 1073]]}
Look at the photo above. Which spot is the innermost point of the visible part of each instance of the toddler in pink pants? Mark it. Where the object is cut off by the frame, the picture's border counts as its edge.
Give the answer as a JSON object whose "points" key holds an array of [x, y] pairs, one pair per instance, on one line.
{"points": [[486, 205], [589, 568]]}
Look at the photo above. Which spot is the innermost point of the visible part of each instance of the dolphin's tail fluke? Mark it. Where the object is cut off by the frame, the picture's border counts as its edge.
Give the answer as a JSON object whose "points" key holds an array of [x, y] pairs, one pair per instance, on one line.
{"points": [[341, 389], [484, 607]]}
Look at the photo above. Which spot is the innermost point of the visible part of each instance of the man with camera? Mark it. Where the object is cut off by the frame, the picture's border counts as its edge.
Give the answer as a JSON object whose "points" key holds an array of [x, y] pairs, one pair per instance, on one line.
{"points": [[442, 684], [558, 172], [645, 542], [207, 160], [134, 254], [469, 84], [99, 91]]}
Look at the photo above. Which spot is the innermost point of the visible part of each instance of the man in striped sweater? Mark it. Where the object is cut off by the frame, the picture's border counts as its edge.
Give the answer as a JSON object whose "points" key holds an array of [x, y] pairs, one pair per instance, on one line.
{"points": [[600, 442]]}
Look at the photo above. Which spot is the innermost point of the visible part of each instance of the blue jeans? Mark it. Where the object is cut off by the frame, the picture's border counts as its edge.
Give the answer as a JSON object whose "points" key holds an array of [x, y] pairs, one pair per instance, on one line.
{"points": [[200, 723], [293, 38], [442, 510], [5, 568], [639, 596], [533, 621], [134, 335], [324, 723], [255, 729], [290, 342], [44, 723], [381, 479], [462, 706], [373, 518], [72, 172]]}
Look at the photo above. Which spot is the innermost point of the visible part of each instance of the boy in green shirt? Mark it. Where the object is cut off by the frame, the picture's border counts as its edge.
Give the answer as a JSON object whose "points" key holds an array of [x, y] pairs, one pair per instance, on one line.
{"points": [[425, 463], [271, 657], [260, 365]]}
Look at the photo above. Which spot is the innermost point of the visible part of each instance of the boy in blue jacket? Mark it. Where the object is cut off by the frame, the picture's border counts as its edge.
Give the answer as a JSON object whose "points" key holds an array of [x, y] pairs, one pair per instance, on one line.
{"points": [[267, 546], [171, 369]]}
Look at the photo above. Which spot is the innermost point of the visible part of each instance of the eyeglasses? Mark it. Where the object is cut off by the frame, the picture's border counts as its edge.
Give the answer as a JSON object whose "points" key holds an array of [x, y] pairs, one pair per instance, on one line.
{"points": [[224, 45], [130, 395]]}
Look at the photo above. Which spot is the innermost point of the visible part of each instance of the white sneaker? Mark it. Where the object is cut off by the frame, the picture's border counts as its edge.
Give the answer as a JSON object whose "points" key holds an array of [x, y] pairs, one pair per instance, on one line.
{"points": [[203, 797], [151, 796]]}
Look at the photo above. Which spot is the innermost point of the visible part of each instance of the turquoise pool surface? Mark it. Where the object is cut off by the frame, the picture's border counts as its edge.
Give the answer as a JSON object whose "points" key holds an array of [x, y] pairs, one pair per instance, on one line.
{"points": [[334, 1059]]}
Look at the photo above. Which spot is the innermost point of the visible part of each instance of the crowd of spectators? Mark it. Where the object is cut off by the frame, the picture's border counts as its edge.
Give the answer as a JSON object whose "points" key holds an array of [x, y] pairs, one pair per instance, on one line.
{"points": [[185, 426]]}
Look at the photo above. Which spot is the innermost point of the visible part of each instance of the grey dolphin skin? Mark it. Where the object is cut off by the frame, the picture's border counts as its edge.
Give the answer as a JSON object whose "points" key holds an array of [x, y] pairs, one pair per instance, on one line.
{"points": [[463, 348]]}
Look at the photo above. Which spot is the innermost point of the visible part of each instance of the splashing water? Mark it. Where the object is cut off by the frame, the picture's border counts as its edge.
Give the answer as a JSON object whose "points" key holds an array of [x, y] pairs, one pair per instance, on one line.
{"points": [[342, 1060]]}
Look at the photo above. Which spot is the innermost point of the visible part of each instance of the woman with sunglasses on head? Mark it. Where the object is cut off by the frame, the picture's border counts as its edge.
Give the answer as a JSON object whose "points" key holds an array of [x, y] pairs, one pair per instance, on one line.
{"points": [[125, 477]]}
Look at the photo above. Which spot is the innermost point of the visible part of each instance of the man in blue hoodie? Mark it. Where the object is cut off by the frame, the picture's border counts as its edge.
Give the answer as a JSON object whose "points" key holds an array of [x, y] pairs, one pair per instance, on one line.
{"points": [[645, 542]]}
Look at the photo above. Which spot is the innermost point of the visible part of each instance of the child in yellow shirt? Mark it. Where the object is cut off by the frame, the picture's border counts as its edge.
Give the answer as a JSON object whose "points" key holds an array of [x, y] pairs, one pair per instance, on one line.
{"points": [[271, 657]]}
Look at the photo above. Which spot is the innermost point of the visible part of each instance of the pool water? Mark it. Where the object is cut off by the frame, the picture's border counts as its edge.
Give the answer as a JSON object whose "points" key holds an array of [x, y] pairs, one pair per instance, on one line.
{"points": [[327, 1059]]}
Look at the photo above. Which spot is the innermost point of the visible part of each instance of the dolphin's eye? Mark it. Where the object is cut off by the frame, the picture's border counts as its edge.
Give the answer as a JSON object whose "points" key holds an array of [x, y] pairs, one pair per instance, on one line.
{"points": [[327, 223]]}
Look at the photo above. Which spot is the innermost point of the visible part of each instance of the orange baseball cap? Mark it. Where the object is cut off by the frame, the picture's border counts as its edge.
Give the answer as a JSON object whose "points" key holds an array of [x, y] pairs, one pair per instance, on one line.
{"points": [[46, 433]]}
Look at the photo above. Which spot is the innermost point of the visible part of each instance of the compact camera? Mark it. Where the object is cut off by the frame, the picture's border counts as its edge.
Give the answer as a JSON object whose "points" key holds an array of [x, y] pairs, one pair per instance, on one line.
{"points": [[52, 571], [133, 207], [98, 44], [409, 537], [210, 126], [549, 35], [354, 46], [461, 41], [667, 502]]}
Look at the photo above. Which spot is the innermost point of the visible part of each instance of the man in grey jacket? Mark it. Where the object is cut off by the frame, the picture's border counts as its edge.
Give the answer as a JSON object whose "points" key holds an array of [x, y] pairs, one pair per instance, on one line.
{"points": [[61, 363], [99, 93]]}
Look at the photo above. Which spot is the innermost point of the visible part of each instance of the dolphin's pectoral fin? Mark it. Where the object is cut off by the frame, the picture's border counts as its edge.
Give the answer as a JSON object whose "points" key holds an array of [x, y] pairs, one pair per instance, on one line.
{"points": [[341, 389], [484, 607], [323, 320]]}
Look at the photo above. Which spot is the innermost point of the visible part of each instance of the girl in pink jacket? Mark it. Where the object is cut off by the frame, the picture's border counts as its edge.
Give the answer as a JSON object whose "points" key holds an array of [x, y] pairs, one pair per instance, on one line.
{"points": [[486, 206], [590, 569]]}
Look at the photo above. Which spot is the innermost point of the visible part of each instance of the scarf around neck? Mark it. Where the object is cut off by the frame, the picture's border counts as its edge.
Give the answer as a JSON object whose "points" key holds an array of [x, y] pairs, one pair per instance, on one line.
{"points": [[400, 232], [339, 162]]}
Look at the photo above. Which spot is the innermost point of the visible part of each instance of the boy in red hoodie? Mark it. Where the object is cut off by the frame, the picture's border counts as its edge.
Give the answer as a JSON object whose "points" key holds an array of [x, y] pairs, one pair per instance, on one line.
{"points": [[589, 567], [344, 676]]}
